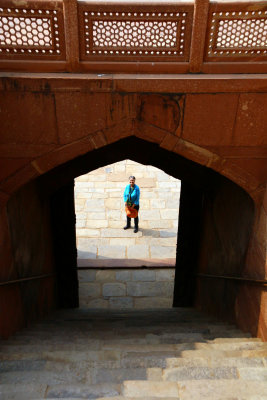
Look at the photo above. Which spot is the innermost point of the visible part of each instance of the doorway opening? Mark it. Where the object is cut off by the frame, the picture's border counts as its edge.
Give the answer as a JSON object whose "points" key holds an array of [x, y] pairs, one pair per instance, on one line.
{"points": [[119, 268]]}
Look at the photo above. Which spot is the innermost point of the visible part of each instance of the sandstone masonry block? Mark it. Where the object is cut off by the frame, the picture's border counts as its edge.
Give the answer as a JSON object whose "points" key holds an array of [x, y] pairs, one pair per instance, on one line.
{"points": [[152, 302], [114, 289], [89, 289], [89, 253], [150, 289], [163, 252], [158, 224], [111, 252], [144, 275], [169, 214], [121, 302], [113, 204], [98, 303], [138, 251], [106, 275], [86, 275], [101, 215], [96, 223], [165, 274], [124, 276], [150, 215]]}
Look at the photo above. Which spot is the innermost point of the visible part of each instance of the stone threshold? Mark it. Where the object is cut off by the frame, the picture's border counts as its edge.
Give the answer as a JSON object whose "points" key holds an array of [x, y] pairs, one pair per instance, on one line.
{"points": [[126, 263]]}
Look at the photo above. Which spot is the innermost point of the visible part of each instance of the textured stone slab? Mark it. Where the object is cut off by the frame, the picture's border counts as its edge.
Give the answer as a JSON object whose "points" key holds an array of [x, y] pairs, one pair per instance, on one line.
{"points": [[96, 223], [143, 289], [188, 373], [95, 303], [169, 214], [121, 302], [22, 391], [165, 274], [119, 233], [124, 276], [159, 224], [105, 275], [138, 251], [89, 289], [118, 375], [148, 215], [114, 289], [218, 389], [163, 251], [111, 252], [86, 276], [153, 302], [83, 391], [144, 275], [149, 388], [253, 374]]}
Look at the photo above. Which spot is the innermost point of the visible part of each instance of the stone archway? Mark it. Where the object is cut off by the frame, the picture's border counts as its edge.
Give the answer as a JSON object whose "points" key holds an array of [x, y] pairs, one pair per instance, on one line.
{"points": [[217, 204]]}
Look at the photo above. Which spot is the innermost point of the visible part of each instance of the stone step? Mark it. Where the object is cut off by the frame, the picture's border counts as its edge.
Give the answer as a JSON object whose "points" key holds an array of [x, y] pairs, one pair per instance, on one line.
{"points": [[196, 389], [42, 391]]}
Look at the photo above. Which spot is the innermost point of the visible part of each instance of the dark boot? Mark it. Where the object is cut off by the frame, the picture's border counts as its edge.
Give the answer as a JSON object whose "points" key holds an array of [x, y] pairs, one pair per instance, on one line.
{"points": [[136, 225], [128, 223]]}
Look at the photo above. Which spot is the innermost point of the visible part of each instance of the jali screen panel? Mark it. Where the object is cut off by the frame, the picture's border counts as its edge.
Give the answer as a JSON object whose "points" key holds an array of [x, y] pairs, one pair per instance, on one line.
{"points": [[35, 31], [130, 33], [237, 32]]}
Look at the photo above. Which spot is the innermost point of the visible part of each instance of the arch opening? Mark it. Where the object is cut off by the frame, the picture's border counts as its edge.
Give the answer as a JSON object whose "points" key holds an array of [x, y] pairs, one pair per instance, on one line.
{"points": [[215, 223]]}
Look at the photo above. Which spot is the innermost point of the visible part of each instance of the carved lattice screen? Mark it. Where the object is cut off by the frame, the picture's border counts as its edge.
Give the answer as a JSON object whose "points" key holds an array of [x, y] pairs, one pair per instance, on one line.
{"points": [[32, 32], [235, 34], [131, 33]]}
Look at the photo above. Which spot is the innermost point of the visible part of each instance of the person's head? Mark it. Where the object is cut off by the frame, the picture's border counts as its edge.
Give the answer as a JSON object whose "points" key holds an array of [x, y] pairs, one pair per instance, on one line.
{"points": [[132, 180]]}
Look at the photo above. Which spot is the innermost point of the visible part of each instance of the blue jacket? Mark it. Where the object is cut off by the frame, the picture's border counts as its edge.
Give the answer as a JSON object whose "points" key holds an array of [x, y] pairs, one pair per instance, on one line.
{"points": [[134, 196]]}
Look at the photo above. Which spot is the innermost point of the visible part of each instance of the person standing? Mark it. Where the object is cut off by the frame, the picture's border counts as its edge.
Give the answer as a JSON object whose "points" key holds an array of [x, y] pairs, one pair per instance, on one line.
{"points": [[131, 199]]}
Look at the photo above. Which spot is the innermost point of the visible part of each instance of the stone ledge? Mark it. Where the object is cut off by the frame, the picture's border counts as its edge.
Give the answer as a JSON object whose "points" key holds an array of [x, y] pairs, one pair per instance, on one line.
{"points": [[126, 263]]}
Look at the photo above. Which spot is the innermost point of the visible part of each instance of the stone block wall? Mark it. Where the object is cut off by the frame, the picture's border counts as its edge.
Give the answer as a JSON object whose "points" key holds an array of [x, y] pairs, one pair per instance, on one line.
{"points": [[101, 216], [126, 288]]}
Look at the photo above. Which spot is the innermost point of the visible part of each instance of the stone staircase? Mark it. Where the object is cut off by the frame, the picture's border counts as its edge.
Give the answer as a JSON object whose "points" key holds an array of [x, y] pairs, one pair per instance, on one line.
{"points": [[125, 355]]}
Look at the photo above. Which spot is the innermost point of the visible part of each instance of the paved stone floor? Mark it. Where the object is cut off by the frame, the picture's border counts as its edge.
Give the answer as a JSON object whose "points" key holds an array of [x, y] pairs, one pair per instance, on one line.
{"points": [[160, 354]]}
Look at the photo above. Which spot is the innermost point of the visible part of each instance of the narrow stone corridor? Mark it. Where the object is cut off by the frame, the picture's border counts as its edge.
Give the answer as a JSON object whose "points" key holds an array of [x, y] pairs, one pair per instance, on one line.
{"points": [[150, 354]]}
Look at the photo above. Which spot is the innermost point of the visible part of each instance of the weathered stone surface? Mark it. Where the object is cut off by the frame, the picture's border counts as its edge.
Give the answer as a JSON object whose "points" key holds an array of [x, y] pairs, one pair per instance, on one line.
{"points": [[150, 389], [120, 233], [138, 251], [86, 275], [113, 204], [89, 253], [89, 289], [83, 391], [97, 303], [165, 274], [150, 215], [121, 302], [163, 252], [143, 289], [188, 373], [95, 215], [158, 224], [169, 214], [153, 302], [144, 275], [124, 276], [253, 374], [111, 252], [96, 223], [105, 275], [114, 289]]}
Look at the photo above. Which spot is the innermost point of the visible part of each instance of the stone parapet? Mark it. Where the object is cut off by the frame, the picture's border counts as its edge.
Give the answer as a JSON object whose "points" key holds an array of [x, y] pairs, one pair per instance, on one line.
{"points": [[126, 288]]}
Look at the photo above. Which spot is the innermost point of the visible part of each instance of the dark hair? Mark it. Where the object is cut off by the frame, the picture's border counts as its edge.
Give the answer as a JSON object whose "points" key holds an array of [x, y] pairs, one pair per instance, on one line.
{"points": [[131, 177]]}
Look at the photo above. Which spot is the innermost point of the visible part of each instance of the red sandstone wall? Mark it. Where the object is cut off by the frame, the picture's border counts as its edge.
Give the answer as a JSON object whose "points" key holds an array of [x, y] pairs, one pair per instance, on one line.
{"points": [[220, 123], [27, 252]]}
